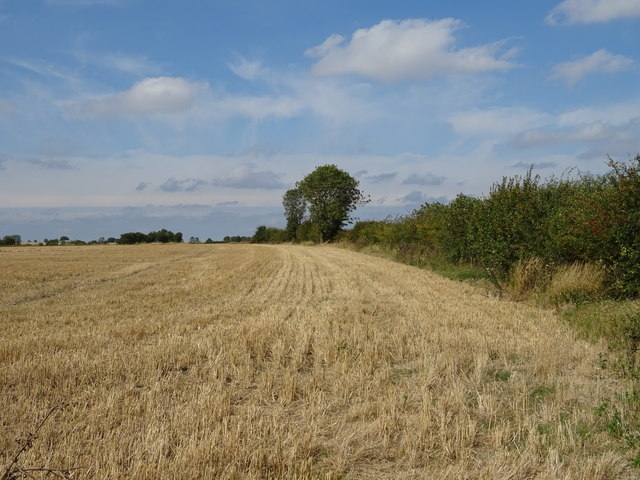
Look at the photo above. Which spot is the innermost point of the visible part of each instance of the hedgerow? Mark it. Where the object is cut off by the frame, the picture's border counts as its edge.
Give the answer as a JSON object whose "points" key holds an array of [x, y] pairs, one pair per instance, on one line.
{"points": [[578, 218]]}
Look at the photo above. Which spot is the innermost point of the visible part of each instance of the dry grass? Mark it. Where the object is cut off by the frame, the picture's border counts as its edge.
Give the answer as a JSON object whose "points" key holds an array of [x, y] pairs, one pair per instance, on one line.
{"points": [[575, 282], [556, 286], [241, 362], [528, 276]]}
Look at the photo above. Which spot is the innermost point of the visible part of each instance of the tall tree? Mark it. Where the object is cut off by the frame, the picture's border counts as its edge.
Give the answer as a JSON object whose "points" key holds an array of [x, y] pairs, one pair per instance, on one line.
{"points": [[332, 194], [295, 208]]}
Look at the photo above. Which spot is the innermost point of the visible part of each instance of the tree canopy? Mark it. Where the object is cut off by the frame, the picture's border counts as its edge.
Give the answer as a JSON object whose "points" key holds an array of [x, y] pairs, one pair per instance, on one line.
{"points": [[331, 195], [295, 208]]}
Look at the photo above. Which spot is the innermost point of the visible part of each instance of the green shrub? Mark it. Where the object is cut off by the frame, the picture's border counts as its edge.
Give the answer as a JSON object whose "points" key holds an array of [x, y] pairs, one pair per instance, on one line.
{"points": [[266, 234], [624, 241], [458, 231], [526, 229], [308, 232]]}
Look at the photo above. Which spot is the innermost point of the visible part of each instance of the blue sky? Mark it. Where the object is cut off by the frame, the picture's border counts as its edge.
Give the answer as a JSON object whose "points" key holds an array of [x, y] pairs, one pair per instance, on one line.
{"points": [[121, 115]]}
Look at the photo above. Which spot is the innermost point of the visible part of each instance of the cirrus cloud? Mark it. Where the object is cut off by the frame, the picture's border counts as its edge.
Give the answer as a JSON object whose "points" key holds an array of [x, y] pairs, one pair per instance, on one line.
{"points": [[601, 61], [410, 49]]}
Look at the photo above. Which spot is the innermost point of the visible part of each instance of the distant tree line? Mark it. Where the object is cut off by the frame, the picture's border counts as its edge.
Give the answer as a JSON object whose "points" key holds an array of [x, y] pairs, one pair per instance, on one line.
{"points": [[129, 238], [161, 236], [11, 240], [236, 239]]}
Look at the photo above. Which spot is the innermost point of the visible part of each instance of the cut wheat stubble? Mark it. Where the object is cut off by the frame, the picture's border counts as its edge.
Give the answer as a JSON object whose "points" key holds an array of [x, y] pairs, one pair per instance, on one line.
{"points": [[250, 361]]}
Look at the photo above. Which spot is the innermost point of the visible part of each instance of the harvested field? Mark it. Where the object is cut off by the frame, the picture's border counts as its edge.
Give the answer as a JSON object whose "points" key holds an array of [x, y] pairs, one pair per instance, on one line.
{"points": [[250, 361]]}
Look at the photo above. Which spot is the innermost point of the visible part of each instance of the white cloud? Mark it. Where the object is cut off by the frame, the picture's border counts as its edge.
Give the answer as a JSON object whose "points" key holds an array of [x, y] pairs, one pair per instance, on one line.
{"points": [[295, 95], [496, 121], [179, 102], [335, 100], [592, 11], [403, 50], [327, 47], [161, 95], [246, 69], [590, 132], [615, 114], [587, 133], [601, 61]]}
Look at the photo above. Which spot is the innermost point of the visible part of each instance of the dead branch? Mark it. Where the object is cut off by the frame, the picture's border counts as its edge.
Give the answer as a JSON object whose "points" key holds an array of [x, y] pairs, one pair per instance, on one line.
{"points": [[14, 471]]}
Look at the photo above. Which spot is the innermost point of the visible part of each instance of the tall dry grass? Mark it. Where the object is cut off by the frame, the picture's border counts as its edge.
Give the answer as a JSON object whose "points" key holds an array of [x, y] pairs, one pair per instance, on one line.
{"points": [[529, 276], [241, 362], [556, 285], [575, 282]]}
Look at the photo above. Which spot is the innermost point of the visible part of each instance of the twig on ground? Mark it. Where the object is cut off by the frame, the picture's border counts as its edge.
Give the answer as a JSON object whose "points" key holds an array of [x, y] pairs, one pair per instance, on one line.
{"points": [[15, 471]]}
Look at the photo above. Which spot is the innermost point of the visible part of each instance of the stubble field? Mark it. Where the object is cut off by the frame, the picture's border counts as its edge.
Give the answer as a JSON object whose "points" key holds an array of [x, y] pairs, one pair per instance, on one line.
{"points": [[248, 361]]}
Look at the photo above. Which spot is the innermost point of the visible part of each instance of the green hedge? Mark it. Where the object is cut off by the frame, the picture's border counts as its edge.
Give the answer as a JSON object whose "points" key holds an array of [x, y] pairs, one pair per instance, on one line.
{"points": [[559, 220]]}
